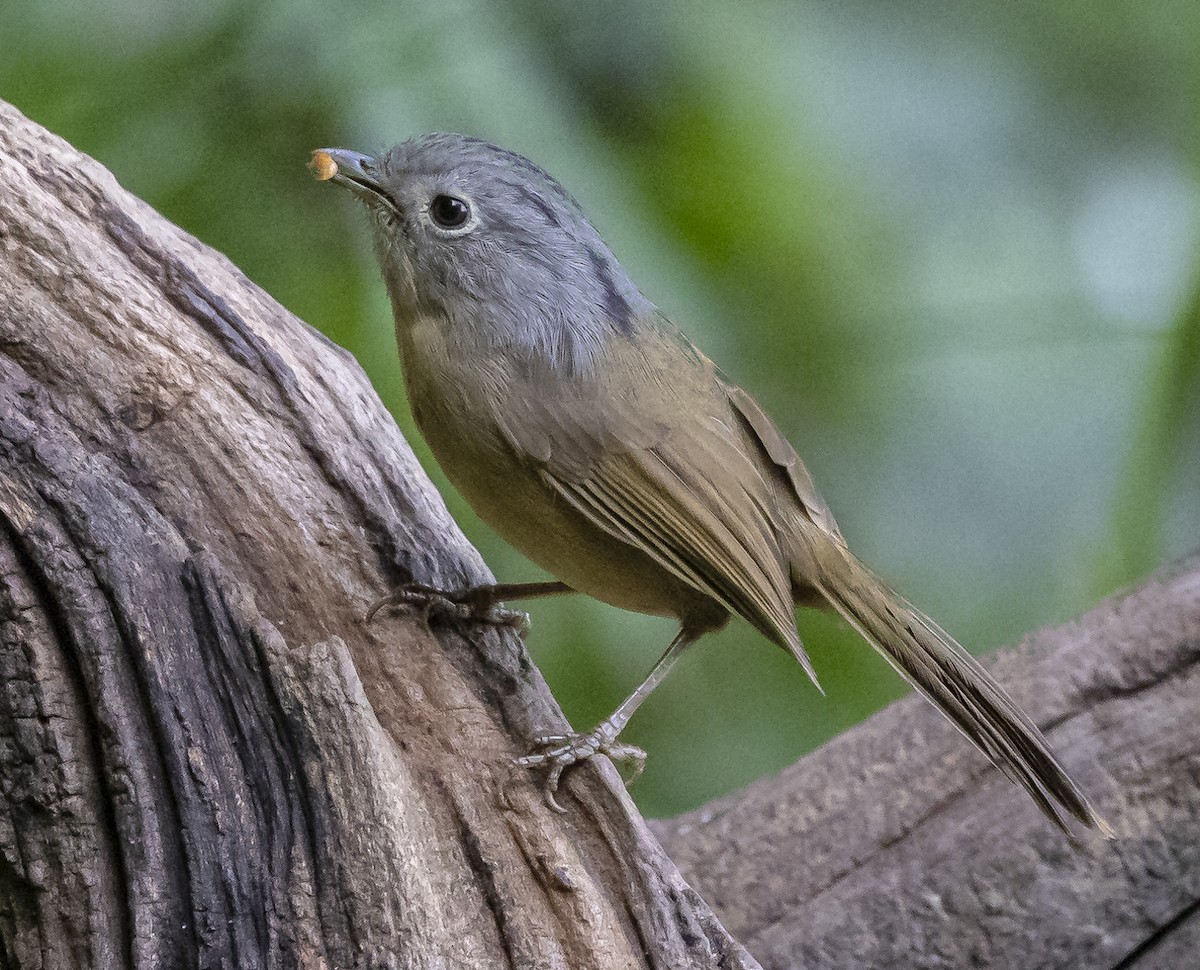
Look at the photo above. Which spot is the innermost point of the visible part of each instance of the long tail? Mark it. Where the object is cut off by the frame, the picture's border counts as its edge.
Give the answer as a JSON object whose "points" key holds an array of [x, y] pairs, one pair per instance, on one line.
{"points": [[959, 687]]}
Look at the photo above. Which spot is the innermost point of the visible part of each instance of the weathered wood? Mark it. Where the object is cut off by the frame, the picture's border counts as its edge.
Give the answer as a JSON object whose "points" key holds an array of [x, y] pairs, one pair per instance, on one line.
{"points": [[895, 846], [206, 758]]}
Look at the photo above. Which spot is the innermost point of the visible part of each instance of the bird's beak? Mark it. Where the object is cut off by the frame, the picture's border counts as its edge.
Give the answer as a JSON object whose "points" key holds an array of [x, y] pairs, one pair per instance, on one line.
{"points": [[354, 170]]}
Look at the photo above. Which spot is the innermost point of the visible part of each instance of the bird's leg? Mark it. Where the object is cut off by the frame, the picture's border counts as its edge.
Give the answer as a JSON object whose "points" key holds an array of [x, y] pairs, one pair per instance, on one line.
{"points": [[479, 604], [558, 752]]}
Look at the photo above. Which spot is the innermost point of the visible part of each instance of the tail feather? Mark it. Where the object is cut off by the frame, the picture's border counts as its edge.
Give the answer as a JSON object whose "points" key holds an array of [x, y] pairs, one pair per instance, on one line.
{"points": [[933, 662]]}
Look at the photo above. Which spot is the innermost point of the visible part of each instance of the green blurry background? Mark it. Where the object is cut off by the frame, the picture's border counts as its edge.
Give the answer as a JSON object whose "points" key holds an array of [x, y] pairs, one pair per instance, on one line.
{"points": [[951, 247]]}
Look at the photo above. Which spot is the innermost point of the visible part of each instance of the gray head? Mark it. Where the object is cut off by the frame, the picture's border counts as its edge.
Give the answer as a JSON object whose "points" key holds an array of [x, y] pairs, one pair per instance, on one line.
{"points": [[491, 247]]}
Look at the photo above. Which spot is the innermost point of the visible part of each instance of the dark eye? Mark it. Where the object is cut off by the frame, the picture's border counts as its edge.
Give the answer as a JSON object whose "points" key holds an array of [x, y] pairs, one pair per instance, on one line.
{"points": [[449, 212]]}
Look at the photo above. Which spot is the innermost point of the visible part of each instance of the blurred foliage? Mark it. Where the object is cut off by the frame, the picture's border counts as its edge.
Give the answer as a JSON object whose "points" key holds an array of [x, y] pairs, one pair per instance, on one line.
{"points": [[951, 247]]}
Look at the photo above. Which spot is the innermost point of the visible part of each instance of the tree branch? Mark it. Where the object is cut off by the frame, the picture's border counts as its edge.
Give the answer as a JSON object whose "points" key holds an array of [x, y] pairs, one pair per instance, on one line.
{"points": [[206, 757], [896, 846]]}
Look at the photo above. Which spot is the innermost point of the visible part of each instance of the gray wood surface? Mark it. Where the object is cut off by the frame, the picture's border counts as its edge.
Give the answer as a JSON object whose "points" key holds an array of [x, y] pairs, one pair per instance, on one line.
{"points": [[206, 758], [895, 846]]}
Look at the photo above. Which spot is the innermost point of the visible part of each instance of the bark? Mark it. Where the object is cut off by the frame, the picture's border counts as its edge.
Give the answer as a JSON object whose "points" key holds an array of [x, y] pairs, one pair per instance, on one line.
{"points": [[207, 759], [896, 846]]}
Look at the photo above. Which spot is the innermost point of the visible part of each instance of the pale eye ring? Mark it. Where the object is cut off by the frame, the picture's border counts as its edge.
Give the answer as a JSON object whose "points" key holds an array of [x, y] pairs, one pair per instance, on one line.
{"points": [[449, 211]]}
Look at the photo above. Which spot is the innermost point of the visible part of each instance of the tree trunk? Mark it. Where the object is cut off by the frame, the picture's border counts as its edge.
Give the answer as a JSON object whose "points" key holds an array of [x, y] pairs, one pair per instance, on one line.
{"points": [[208, 760]]}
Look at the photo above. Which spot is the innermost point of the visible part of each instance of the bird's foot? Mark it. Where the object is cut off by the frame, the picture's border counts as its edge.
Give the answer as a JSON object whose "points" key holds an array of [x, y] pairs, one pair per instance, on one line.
{"points": [[560, 751], [473, 604]]}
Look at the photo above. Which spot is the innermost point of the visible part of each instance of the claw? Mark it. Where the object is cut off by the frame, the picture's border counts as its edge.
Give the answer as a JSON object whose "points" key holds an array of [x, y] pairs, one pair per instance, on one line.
{"points": [[378, 605], [550, 789], [455, 605], [562, 751]]}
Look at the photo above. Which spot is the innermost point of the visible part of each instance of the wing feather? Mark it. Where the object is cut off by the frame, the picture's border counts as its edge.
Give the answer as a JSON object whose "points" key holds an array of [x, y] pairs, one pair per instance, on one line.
{"points": [[652, 450], [719, 543], [778, 450]]}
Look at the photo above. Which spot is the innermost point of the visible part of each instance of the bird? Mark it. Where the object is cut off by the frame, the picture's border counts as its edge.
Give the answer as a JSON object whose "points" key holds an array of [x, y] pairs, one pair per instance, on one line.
{"points": [[588, 431]]}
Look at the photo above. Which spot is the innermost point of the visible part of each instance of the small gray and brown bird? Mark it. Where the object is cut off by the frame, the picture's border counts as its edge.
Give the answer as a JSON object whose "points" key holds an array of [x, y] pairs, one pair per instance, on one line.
{"points": [[590, 434]]}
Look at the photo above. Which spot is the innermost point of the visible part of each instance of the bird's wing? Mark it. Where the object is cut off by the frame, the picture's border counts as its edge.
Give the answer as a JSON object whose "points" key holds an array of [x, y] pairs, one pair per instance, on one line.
{"points": [[718, 540], [778, 451], [689, 491]]}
